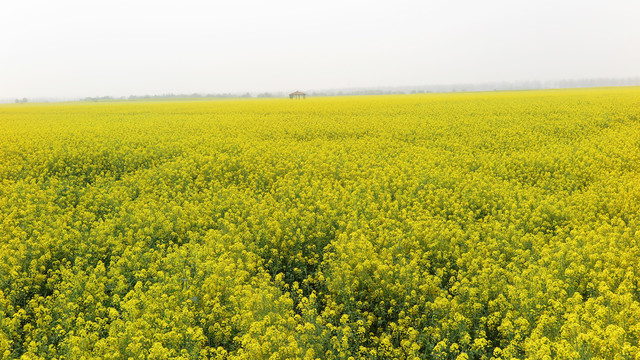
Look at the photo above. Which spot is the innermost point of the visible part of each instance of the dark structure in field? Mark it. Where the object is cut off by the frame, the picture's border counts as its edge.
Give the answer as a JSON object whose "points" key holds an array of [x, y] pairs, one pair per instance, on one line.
{"points": [[297, 95]]}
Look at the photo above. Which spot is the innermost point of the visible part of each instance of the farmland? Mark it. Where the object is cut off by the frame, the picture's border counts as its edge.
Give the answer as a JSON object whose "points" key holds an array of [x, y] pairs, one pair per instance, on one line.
{"points": [[434, 226]]}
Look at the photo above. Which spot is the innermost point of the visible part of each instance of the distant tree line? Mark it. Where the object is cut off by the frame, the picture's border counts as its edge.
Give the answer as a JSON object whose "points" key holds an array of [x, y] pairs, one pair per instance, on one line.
{"points": [[488, 86], [169, 96], [398, 90]]}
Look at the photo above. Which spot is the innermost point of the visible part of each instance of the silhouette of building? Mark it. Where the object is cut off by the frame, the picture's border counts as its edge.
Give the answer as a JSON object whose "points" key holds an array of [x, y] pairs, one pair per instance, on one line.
{"points": [[297, 95]]}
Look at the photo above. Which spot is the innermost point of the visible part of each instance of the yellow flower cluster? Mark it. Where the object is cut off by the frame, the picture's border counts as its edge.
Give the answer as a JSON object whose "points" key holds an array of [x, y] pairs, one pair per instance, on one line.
{"points": [[499, 225]]}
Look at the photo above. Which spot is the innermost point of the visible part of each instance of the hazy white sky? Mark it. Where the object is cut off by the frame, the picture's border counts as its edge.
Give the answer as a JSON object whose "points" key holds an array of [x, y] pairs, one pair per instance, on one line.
{"points": [[77, 48]]}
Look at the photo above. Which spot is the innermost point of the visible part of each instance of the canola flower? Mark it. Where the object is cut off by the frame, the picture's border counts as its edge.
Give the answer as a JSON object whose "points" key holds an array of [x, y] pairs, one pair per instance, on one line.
{"points": [[497, 225]]}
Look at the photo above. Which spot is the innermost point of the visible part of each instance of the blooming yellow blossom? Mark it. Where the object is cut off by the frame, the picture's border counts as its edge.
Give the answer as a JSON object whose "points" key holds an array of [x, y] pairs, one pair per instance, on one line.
{"points": [[500, 225]]}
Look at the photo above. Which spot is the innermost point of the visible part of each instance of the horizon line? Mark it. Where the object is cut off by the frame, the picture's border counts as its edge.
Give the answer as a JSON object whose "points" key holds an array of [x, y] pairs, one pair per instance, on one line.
{"points": [[366, 90]]}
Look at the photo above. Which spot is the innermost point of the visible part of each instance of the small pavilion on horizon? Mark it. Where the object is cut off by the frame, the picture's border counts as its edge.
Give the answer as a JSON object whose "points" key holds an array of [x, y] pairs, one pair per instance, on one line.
{"points": [[297, 95]]}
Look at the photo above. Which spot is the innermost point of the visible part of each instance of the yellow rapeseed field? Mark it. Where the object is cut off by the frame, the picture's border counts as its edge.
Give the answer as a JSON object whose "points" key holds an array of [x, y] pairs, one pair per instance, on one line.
{"points": [[500, 225]]}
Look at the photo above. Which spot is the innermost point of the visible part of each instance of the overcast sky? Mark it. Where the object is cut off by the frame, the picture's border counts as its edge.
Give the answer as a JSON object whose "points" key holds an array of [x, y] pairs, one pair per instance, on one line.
{"points": [[78, 48]]}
